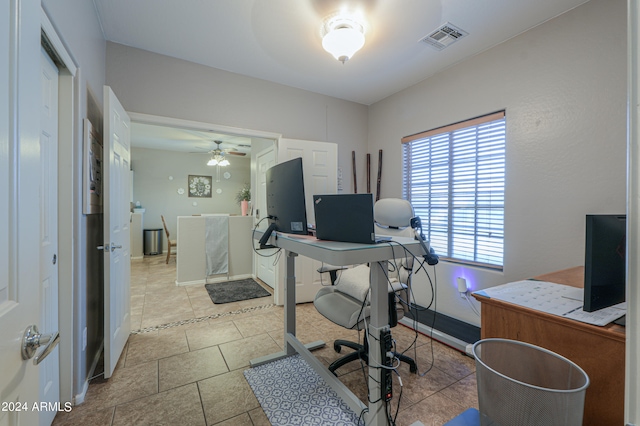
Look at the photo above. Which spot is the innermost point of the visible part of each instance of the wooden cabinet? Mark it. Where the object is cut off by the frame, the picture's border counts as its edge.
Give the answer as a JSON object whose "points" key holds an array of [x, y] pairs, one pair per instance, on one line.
{"points": [[600, 351]]}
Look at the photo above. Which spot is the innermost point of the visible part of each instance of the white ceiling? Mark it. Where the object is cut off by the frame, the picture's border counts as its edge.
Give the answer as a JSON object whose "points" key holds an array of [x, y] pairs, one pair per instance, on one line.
{"points": [[153, 136], [279, 40]]}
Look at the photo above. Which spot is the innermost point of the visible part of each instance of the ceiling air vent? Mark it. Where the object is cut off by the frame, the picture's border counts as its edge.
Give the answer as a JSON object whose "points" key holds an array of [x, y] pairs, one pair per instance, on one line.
{"points": [[444, 36]]}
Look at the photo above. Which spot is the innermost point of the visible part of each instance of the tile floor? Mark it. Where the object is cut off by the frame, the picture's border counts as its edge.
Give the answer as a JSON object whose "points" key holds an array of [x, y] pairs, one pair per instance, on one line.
{"points": [[189, 372]]}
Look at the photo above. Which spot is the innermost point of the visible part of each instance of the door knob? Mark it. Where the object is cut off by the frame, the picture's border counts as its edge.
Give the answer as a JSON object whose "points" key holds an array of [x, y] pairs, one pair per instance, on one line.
{"points": [[105, 247], [32, 340], [113, 247]]}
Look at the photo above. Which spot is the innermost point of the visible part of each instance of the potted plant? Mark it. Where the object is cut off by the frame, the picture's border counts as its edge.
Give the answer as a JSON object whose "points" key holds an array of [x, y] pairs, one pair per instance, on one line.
{"points": [[243, 197]]}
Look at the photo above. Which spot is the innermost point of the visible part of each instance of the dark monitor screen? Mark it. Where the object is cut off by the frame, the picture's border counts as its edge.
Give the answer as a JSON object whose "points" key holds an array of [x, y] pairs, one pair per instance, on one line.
{"points": [[286, 206], [604, 264]]}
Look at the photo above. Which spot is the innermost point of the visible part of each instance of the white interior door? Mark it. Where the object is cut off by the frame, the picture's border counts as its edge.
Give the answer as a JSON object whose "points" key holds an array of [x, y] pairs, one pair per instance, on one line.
{"points": [[265, 267], [50, 367], [19, 206], [320, 167], [117, 262]]}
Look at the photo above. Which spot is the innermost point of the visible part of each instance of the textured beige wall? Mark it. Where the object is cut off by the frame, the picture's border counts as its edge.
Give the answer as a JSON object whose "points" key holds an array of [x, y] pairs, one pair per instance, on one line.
{"points": [[159, 195], [563, 86], [150, 83]]}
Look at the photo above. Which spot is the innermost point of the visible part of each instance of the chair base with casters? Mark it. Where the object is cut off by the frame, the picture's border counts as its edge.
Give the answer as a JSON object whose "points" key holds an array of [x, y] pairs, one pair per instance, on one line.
{"points": [[362, 352], [346, 311]]}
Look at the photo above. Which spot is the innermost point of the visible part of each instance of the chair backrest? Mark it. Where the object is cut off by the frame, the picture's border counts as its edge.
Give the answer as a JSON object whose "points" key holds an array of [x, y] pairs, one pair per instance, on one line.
{"points": [[393, 214], [393, 217], [165, 226]]}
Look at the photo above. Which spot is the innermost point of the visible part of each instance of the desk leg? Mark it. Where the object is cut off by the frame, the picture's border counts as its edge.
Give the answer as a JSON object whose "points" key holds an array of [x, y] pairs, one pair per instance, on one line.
{"points": [[378, 321], [290, 300], [289, 319]]}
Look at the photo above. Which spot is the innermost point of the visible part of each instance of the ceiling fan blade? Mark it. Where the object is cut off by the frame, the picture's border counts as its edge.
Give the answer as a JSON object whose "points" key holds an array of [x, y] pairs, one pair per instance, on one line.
{"points": [[238, 153]]}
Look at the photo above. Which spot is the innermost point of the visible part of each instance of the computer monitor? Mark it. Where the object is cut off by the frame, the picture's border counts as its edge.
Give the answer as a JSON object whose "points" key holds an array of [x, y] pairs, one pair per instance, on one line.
{"points": [[286, 206], [604, 264]]}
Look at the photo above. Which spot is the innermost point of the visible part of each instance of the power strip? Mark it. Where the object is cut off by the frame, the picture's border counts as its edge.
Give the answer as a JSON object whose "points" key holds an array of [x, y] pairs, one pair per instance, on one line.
{"points": [[386, 348]]}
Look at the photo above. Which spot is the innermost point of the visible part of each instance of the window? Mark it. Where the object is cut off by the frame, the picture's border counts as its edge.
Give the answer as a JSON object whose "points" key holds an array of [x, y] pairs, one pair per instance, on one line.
{"points": [[454, 178]]}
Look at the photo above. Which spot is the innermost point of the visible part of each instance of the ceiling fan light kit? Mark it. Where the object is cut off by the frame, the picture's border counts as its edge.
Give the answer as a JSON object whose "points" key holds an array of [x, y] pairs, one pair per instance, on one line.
{"points": [[217, 157], [342, 36], [218, 160]]}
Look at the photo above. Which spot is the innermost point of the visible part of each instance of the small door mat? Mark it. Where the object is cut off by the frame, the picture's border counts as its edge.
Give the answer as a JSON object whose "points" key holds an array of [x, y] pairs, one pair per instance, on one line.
{"points": [[234, 291], [290, 393]]}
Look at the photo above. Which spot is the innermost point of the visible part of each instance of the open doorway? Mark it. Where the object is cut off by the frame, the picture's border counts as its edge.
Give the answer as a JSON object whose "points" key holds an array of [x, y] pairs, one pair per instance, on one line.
{"points": [[167, 152]]}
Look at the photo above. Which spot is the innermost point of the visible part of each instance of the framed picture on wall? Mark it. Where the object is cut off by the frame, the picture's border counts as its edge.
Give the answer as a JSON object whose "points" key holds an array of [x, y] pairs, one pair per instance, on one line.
{"points": [[199, 186]]}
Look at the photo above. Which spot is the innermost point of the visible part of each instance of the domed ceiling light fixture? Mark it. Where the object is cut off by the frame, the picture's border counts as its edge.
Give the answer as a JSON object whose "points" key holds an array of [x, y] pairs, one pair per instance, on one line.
{"points": [[342, 36]]}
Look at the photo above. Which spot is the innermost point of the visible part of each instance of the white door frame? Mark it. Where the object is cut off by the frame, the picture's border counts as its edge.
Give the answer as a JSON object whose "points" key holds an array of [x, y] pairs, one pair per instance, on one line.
{"points": [[68, 204], [50, 367], [159, 120]]}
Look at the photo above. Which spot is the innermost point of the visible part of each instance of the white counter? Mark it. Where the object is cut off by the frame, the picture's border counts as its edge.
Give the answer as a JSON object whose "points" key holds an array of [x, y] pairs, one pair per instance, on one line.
{"points": [[191, 261]]}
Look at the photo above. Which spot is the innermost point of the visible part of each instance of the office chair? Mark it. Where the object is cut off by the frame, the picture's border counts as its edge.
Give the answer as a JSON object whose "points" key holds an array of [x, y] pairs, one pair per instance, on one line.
{"points": [[343, 302], [170, 242]]}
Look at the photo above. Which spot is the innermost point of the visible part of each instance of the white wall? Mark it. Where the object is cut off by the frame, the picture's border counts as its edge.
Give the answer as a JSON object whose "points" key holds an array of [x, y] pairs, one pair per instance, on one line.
{"points": [[150, 83], [78, 24], [563, 85], [159, 195]]}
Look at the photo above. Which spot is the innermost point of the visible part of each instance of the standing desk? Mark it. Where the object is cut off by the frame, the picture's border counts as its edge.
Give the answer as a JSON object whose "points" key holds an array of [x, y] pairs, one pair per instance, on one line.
{"points": [[600, 351], [341, 254]]}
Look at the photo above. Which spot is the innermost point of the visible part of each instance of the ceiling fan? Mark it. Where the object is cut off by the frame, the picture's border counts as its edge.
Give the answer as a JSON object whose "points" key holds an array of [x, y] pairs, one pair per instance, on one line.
{"points": [[218, 155], [223, 151]]}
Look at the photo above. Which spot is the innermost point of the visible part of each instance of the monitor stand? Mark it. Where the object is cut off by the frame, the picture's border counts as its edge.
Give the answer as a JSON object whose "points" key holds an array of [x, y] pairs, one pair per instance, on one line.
{"points": [[265, 237]]}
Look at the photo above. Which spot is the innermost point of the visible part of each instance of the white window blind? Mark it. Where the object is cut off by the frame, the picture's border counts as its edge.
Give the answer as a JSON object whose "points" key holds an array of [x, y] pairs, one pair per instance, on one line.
{"points": [[454, 177]]}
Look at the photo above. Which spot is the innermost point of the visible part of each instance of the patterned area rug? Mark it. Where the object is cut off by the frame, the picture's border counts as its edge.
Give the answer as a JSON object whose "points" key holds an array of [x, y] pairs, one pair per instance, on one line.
{"points": [[292, 393], [234, 291]]}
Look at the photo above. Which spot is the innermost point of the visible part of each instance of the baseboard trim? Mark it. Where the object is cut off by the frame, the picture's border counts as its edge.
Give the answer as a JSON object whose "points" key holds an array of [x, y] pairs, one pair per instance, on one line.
{"points": [[450, 331], [79, 399]]}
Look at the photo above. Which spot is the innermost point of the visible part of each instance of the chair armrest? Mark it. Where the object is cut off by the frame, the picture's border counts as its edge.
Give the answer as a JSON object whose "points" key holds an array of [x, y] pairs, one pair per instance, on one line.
{"points": [[330, 268]]}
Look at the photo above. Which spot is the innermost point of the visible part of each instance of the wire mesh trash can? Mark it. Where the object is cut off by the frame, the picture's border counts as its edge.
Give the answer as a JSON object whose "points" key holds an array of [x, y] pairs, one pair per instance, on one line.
{"points": [[152, 241], [522, 384]]}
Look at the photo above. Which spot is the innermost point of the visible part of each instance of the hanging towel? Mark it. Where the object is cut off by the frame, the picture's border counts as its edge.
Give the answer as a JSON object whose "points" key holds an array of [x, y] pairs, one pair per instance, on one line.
{"points": [[216, 244]]}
